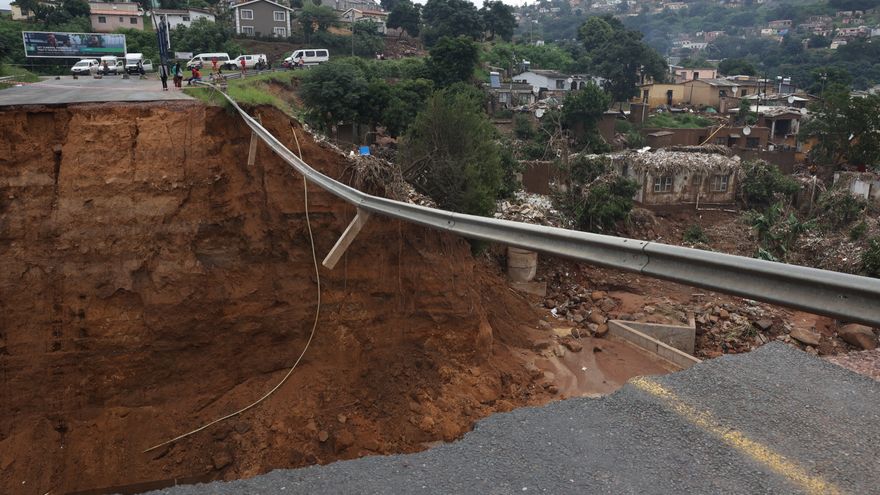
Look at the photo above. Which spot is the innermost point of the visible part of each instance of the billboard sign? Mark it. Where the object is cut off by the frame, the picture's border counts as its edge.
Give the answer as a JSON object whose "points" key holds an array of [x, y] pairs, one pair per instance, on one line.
{"points": [[72, 45]]}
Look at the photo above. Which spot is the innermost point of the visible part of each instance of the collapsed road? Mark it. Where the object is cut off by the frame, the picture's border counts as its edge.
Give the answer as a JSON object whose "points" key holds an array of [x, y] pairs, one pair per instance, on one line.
{"points": [[775, 420]]}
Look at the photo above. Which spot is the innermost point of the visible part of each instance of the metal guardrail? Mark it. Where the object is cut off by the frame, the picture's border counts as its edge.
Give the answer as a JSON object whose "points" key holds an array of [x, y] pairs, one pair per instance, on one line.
{"points": [[849, 297]]}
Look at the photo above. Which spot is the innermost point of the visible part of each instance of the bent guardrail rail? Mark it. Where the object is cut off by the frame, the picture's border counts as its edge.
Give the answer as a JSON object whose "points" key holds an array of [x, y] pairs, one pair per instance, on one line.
{"points": [[848, 297]]}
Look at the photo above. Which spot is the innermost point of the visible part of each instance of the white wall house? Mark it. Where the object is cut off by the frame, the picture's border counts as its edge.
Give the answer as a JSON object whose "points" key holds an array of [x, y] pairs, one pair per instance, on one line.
{"points": [[552, 80], [183, 17], [377, 17]]}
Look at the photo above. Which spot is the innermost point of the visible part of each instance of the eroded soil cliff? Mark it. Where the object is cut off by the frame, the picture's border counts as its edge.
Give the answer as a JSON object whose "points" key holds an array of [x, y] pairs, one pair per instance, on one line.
{"points": [[152, 282]]}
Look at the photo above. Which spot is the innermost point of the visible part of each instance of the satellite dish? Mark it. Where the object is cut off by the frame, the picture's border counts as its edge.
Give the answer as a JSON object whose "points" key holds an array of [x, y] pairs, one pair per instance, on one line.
{"points": [[770, 147], [747, 130], [539, 113], [791, 99]]}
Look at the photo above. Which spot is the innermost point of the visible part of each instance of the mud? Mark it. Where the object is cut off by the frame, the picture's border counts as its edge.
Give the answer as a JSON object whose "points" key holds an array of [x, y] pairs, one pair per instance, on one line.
{"points": [[152, 282]]}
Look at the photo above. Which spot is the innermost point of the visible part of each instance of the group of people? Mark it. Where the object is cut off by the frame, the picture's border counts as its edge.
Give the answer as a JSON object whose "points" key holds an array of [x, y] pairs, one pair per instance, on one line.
{"points": [[176, 75]]}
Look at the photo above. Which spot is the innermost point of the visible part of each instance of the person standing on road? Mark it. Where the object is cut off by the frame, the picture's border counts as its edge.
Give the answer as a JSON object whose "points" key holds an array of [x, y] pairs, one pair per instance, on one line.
{"points": [[163, 75], [178, 75], [243, 67]]}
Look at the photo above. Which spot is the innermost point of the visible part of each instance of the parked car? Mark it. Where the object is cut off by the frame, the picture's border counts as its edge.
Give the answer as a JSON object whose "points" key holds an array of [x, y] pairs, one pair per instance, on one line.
{"points": [[204, 60], [114, 65], [250, 61], [307, 57], [83, 66], [132, 60]]}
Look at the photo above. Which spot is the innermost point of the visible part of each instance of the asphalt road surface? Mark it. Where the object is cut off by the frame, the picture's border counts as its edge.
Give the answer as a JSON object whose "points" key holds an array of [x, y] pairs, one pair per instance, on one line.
{"points": [[776, 420], [87, 90]]}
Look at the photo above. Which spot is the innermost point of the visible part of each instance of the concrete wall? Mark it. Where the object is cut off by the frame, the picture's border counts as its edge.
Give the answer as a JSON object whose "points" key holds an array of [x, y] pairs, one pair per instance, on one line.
{"points": [[728, 136], [115, 16], [687, 188], [625, 331], [657, 94], [862, 185]]}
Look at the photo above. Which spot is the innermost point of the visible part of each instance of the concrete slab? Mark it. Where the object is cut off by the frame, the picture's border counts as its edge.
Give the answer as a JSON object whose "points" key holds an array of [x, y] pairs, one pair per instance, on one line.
{"points": [[89, 90]]}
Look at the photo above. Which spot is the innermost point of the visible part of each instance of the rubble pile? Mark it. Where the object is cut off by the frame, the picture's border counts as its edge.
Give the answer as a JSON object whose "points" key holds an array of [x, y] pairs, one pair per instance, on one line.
{"points": [[528, 208], [664, 162]]}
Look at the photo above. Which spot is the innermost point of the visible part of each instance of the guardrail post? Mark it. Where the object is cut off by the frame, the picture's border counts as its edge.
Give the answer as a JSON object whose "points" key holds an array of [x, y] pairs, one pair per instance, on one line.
{"points": [[346, 239], [252, 152]]}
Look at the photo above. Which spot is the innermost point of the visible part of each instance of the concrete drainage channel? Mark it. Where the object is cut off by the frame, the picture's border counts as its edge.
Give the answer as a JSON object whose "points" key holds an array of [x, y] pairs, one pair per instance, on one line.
{"points": [[673, 343]]}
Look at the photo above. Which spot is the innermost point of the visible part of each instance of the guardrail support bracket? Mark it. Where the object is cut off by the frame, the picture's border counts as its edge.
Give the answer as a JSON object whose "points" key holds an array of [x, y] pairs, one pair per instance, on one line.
{"points": [[346, 239]]}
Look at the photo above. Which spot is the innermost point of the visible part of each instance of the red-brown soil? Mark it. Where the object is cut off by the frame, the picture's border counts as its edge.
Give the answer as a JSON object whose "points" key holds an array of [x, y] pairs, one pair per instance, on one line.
{"points": [[152, 282]]}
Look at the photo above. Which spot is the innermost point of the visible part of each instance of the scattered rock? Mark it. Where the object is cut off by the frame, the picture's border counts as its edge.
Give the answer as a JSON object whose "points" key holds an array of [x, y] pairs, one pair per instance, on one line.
{"points": [[323, 436], [533, 370], [601, 330], [858, 335], [723, 314], [571, 344], [805, 336], [343, 440], [221, 459], [598, 295], [812, 350], [764, 324], [426, 424], [649, 309], [608, 305], [545, 325], [597, 317], [342, 418]]}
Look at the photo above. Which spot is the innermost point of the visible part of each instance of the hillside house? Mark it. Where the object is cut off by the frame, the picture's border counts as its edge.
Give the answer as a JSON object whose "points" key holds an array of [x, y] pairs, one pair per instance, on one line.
{"points": [[659, 94], [555, 82], [262, 18], [180, 17], [362, 5], [679, 178], [682, 74], [780, 24], [709, 93], [108, 17], [377, 17]]}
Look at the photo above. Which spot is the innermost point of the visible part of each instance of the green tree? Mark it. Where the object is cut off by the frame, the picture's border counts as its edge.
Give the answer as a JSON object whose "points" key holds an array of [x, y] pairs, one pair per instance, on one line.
{"points": [[453, 60], [763, 184], [736, 67], [450, 153], [334, 92], [314, 17], [498, 19], [76, 8], [450, 18], [847, 129], [405, 16], [203, 36], [581, 112], [619, 55], [407, 99]]}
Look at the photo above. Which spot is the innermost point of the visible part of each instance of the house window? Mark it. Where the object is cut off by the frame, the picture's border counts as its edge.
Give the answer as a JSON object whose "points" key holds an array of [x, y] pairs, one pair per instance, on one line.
{"points": [[697, 180], [560, 84], [279, 16], [132, 20], [102, 20], [752, 142], [247, 30], [721, 141], [696, 75], [663, 184], [744, 92], [280, 32], [185, 18], [719, 183], [247, 14], [120, 19]]}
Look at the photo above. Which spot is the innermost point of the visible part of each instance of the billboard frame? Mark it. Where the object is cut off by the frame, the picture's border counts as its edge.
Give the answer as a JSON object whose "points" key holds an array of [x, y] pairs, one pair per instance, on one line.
{"points": [[77, 57]]}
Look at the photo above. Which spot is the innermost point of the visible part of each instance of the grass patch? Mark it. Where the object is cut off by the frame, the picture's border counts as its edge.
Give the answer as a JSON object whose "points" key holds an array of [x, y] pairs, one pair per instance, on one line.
{"points": [[274, 88], [677, 121], [21, 75]]}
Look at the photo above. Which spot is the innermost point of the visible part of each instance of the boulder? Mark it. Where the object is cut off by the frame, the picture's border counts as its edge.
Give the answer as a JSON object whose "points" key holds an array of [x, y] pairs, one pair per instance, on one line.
{"points": [[764, 324], [805, 336], [597, 318], [601, 330], [858, 335], [571, 344]]}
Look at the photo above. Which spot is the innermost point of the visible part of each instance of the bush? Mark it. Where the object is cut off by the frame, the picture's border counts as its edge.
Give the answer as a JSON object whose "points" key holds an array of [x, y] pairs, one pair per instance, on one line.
{"points": [[510, 167], [871, 259], [858, 231], [595, 200], [763, 184], [522, 126], [677, 121], [695, 235], [450, 153], [837, 208]]}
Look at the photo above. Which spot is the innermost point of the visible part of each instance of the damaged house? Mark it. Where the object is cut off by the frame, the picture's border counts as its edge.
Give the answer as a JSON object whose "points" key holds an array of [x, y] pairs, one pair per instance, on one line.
{"points": [[702, 176]]}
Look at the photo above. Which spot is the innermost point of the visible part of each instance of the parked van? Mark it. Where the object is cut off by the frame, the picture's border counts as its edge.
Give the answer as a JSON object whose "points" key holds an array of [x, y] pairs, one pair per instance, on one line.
{"points": [[114, 65], [250, 61], [131, 63], [307, 56], [204, 60]]}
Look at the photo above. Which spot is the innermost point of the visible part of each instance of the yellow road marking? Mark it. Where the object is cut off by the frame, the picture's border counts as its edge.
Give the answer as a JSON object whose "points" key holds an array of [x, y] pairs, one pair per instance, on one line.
{"points": [[757, 451]]}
